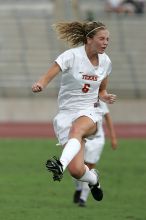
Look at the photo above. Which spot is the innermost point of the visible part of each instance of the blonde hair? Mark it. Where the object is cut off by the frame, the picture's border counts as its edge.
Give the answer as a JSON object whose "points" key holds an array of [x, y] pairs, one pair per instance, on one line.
{"points": [[76, 33]]}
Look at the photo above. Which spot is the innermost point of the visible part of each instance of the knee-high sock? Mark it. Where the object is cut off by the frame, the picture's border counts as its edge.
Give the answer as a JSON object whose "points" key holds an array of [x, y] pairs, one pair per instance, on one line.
{"points": [[78, 184], [89, 177], [85, 191], [69, 152]]}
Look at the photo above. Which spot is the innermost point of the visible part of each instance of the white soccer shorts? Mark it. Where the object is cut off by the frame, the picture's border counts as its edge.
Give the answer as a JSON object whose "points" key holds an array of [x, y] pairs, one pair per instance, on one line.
{"points": [[64, 119], [93, 149]]}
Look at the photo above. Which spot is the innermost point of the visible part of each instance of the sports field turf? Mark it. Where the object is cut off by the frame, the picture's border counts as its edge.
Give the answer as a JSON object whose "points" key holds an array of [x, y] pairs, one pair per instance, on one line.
{"points": [[27, 191]]}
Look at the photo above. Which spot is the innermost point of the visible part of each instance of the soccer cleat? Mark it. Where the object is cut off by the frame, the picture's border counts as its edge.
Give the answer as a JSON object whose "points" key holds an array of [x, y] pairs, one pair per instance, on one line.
{"points": [[54, 165], [96, 190], [76, 196], [82, 203]]}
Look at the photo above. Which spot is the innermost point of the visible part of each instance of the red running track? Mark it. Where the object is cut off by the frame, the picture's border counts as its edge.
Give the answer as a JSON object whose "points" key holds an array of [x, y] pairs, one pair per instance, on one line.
{"points": [[45, 130]]}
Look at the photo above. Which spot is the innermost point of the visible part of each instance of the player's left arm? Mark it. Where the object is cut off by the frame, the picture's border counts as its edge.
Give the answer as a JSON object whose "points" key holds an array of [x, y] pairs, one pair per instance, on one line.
{"points": [[111, 130], [103, 95]]}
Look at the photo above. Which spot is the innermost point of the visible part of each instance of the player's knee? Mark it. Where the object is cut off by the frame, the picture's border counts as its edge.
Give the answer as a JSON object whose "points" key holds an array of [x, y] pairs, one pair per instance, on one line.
{"points": [[76, 175], [76, 172], [76, 132]]}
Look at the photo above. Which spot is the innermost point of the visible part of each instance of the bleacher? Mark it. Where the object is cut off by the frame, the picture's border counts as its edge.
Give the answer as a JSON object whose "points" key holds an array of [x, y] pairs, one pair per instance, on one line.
{"points": [[29, 45]]}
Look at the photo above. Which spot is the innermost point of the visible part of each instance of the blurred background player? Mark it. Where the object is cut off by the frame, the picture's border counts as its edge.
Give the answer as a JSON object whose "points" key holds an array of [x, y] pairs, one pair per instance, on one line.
{"points": [[125, 6], [114, 6], [92, 153]]}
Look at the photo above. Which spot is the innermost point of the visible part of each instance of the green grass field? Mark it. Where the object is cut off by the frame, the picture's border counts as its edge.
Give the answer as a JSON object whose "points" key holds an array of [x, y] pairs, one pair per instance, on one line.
{"points": [[27, 191]]}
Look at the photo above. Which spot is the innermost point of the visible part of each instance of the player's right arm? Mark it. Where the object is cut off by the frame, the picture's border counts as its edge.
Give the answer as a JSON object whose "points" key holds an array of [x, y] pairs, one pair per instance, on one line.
{"points": [[111, 130], [46, 78]]}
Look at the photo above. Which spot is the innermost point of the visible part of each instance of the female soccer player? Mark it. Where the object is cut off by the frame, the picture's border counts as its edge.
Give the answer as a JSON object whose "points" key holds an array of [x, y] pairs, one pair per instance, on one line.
{"points": [[85, 70]]}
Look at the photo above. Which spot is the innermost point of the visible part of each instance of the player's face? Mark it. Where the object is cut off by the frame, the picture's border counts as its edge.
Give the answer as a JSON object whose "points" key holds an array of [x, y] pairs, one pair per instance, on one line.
{"points": [[100, 41]]}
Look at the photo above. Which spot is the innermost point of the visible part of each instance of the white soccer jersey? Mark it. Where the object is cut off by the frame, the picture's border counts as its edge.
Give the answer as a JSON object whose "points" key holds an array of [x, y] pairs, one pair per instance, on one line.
{"points": [[80, 79]]}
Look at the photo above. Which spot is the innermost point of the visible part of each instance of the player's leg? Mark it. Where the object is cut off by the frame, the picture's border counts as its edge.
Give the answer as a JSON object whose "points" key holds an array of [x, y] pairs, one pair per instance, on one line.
{"points": [[78, 188], [89, 176], [85, 190], [84, 194], [82, 126], [92, 153], [72, 156]]}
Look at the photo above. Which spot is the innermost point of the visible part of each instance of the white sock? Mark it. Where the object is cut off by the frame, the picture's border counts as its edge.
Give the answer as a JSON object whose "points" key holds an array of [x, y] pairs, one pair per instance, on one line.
{"points": [[69, 152], [89, 177], [78, 184], [85, 191]]}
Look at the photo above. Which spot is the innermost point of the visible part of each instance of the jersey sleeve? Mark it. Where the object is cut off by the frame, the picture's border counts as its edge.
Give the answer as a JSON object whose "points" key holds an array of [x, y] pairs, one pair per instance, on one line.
{"points": [[108, 66], [65, 60]]}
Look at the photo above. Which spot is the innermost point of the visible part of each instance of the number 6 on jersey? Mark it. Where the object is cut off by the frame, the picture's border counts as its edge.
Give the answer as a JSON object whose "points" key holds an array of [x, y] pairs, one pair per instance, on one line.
{"points": [[86, 88]]}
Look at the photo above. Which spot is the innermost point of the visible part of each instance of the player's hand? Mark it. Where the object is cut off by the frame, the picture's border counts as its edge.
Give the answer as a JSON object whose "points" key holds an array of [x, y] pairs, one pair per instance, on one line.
{"points": [[37, 87], [114, 144], [109, 98]]}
